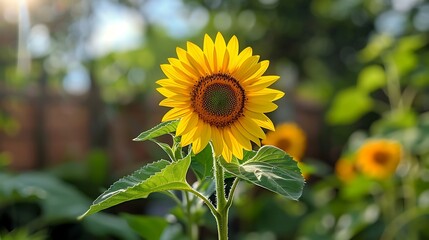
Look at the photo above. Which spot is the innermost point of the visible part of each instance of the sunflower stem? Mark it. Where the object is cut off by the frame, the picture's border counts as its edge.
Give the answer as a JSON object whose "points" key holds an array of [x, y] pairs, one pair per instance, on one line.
{"points": [[191, 227], [221, 203]]}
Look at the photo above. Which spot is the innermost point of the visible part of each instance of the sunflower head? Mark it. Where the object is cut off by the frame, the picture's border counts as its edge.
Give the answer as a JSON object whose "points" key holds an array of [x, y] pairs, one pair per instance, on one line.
{"points": [[379, 158], [288, 137], [345, 169], [220, 95]]}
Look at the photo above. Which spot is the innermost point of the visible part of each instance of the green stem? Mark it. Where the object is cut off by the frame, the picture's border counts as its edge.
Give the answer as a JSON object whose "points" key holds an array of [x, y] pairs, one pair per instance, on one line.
{"points": [[408, 96], [221, 202], [172, 196], [393, 85], [401, 220], [205, 200], [389, 199], [191, 229], [409, 192]]}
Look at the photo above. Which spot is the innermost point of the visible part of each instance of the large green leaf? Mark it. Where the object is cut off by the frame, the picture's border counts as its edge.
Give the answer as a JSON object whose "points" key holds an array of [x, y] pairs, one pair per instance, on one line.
{"points": [[159, 130], [202, 163], [270, 168], [155, 177]]}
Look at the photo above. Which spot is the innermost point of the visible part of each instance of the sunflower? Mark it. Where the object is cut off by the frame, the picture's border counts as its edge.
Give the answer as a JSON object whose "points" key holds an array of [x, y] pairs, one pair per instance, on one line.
{"points": [[288, 137], [345, 169], [219, 95], [379, 158]]}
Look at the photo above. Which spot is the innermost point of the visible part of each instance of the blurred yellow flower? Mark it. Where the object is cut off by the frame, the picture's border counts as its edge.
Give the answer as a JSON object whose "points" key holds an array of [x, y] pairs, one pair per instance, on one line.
{"points": [[345, 169], [219, 94], [379, 158], [288, 137]]}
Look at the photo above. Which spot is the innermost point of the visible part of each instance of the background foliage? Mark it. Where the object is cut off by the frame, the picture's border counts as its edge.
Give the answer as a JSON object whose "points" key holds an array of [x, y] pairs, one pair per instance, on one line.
{"points": [[352, 71]]}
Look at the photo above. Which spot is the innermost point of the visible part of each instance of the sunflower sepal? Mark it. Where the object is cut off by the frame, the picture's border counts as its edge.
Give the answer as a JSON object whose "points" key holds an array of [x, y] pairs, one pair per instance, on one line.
{"points": [[270, 168], [154, 177]]}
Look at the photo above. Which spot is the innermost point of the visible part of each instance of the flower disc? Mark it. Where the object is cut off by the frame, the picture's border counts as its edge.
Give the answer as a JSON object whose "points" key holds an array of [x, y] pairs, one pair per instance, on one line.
{"points": [[218, 100]]}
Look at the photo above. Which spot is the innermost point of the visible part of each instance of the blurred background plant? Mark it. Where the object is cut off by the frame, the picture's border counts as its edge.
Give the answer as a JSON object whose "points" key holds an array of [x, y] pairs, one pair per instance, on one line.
{"points": [[77, 83]]}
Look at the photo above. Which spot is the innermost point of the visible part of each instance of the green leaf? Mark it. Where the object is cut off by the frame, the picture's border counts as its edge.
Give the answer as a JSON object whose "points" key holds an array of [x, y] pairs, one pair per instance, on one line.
{"points": [[404, 62], [357, 188], [270, 168], [376, 47], [420, 79], [51, 193], [371, 78], [148, 227], [202, 163], [411, 43], [155, 177], [23, 234], [107, 226], [159, 130], [167, 149], [348, 106], [394, 120]]}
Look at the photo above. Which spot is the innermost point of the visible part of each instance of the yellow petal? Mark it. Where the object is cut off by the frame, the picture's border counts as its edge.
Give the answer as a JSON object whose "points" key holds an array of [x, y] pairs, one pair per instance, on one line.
{"points": [[171, 73], [262, 83], [247, 69], [245, 54], [186, 124], [174, 87], [260, 119], [166, 92], [215, 62], [232, 49], [232, 143], [251, 127], [208, 51], [261, 107], [266, 93], [204, 132], [187, 138], [198, 55], [226, 59], [179, 66], [217, 141], [238, 128], [227, 154], [181, 53], [256, 75], [167, 82], [241, 139], [198, 67], [175, 113], [181, 98], [220, 47], [168, 102]]}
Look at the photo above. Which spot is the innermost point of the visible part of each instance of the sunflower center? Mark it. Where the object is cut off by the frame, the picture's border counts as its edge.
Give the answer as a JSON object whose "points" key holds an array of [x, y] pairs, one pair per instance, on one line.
{"points": [[381, 158], [284, 144], [218, 99]]}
